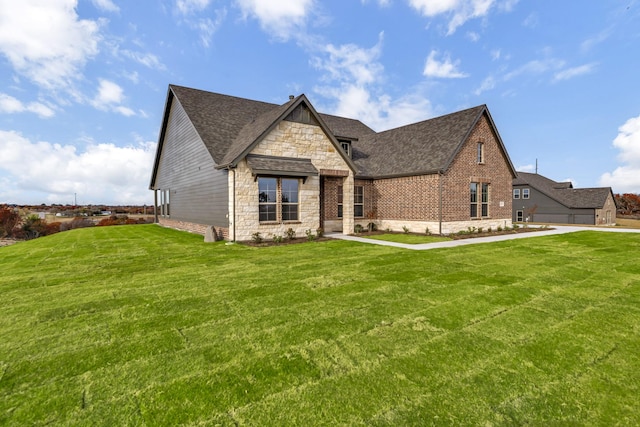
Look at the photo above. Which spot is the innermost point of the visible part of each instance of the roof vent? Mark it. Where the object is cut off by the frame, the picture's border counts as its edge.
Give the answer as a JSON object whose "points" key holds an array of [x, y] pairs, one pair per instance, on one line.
{"points": [[291, 97]]}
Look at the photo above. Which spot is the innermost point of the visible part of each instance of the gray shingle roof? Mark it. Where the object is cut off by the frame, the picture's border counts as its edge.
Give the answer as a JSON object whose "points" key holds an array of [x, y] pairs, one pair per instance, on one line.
{"points": [[425, 147], [564, 193], [283, 165], [229, 126]]}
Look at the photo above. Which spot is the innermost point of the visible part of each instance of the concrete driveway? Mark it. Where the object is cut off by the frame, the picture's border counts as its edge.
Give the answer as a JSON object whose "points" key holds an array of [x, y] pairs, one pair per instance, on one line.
{"points": [[557, 229]]}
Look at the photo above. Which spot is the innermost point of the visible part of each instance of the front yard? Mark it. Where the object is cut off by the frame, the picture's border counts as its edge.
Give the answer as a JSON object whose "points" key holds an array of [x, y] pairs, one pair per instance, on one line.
{"points": [[140, 325]]}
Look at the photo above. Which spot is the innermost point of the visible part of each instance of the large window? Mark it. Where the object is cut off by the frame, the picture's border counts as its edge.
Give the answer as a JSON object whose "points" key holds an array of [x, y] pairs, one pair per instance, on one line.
{"points": [[358, 201], [479, 199], [484, 199], [278, 199], [289, 199]]}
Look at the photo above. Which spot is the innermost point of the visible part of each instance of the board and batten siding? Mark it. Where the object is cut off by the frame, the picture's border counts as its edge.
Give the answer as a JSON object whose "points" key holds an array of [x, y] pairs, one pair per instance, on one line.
{"points": [[541, 208], [198, 192]]}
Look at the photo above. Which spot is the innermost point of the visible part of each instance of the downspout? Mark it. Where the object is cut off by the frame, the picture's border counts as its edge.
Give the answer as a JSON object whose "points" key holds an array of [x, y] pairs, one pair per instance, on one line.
{"points": [[234, 202], [440, 202]]}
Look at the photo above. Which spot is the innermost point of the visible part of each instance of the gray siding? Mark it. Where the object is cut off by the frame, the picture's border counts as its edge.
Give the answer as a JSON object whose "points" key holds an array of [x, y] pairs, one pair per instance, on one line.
{"points": [[542, 208], [198, 192]]}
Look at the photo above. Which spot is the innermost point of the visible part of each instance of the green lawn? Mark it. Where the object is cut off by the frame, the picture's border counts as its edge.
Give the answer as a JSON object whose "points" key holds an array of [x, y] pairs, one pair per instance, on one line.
{"points": [[410, 239], [140, 325]]}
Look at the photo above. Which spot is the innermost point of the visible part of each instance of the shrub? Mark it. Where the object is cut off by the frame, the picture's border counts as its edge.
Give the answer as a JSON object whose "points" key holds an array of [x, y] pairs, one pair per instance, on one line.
{"points": [[499, 228], [357, 228], [277, 238], [310, 235], [77, 222], [479, 229], [405, 229], [291, 233], [427, 232], [515, 226], [489, 230], [9, 219], [257, 237], [320, 232]]}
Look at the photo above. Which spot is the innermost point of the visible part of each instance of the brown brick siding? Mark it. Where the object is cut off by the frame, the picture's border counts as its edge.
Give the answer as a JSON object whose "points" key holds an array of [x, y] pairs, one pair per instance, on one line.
{"points": [[406, 198], [465, 169]]}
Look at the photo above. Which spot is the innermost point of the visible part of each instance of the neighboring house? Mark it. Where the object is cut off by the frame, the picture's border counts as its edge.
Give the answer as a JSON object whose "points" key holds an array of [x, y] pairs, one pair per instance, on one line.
{"points": [[540, 199], [245, 166]]}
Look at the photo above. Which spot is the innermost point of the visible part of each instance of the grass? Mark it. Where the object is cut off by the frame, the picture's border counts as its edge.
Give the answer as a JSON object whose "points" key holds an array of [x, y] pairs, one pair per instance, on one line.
{"points": [[628, 222], [410, 239], [140, 325]]}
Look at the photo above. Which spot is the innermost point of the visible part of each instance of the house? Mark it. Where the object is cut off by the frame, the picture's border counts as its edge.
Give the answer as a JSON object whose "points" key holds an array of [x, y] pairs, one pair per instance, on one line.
{"points": [[540, 199], [243, 166]]}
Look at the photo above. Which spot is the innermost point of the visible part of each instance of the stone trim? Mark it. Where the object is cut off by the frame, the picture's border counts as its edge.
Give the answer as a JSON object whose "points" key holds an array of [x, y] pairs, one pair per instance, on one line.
{"points": [[334, 172]]}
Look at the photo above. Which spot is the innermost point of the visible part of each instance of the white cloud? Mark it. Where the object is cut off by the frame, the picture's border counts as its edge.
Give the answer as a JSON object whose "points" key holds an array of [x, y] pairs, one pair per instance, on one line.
{"points": [[106, 5], [356, 77], [626, 178], [147, 59], [460, 11], [570, 73], [187, 7], [279, 18], [103, 173], [526, 168], [46, 42], [487, 84], [442, 69], [206, 26], [9, 104], [535, 67], [110, 96]]}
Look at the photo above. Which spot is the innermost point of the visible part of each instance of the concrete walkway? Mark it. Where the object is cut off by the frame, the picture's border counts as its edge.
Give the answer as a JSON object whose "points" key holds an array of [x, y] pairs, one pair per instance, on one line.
{"points": [[557, 229]]}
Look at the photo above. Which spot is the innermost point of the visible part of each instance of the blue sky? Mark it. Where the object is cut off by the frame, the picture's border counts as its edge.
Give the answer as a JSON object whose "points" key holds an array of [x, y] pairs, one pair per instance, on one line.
{"points": [[84, 81]]}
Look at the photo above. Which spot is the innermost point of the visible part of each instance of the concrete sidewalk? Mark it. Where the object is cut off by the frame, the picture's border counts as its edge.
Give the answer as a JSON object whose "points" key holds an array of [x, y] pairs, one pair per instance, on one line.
{"points": [[557, 229]]}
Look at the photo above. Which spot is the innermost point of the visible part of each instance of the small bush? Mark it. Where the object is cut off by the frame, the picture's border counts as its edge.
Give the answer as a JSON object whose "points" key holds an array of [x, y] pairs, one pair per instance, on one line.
{"points": [[405, 229], [291, 233], [357, 229], [277, 238], [310, 235], [489, 230], [479, 229], [257, 237], [499, 228], [320, 232], [77, 222], [427, 231]]}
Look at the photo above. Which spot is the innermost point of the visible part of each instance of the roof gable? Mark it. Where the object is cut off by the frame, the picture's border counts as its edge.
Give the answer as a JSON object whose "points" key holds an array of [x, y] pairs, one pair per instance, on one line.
{"points": [[425, 147]]}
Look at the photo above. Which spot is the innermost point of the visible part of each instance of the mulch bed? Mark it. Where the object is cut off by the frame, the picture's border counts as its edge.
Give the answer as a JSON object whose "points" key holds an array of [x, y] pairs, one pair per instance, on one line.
{"points": [[7, 242], [268, 242]]}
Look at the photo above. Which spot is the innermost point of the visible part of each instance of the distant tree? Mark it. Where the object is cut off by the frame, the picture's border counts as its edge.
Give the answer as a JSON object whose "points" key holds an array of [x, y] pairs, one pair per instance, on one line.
{"points": [[9, 219], [628, 203]]}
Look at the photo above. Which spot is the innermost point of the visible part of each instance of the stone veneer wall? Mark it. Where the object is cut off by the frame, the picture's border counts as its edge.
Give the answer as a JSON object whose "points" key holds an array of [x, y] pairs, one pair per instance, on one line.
{"points": [[223, 233], [296, 140]]}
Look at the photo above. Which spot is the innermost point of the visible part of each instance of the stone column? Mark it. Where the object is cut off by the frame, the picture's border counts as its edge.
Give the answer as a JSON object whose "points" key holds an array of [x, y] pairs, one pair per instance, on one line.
{"points": [[347, 205]]}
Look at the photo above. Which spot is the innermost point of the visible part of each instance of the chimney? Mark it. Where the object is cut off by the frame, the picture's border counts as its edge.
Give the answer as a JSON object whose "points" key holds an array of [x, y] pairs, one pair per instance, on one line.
{"points": [[291, 97]]}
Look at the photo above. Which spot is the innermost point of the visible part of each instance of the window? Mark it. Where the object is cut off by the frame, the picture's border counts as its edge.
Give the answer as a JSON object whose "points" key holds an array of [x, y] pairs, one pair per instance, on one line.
{"points": [[358, 201], [484, 199], [481, 199], [164, 203], [480, 153], [473, 188], [267, 196], [525, 193], [516, 193], [289, 199], [346, 147], [270, 207], [340, 201], [519, 216]]}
